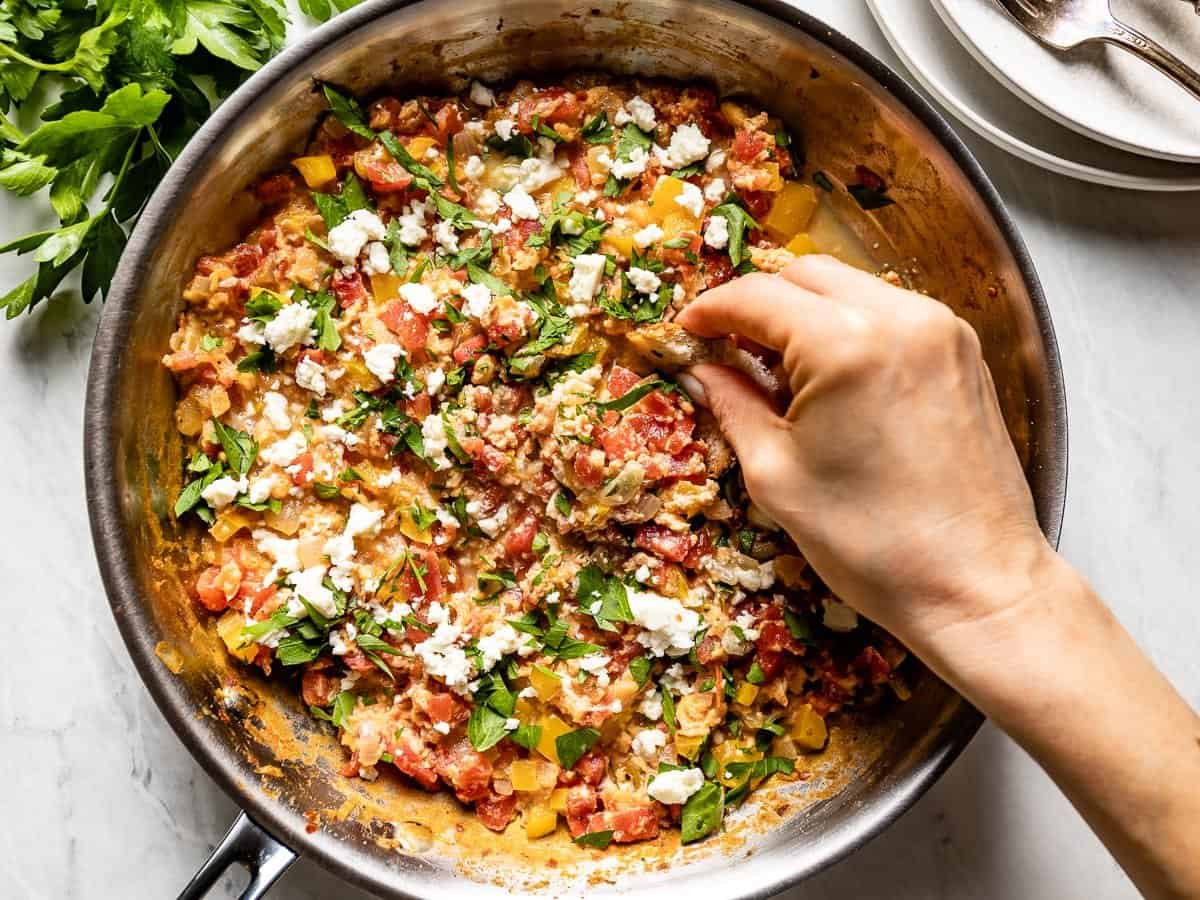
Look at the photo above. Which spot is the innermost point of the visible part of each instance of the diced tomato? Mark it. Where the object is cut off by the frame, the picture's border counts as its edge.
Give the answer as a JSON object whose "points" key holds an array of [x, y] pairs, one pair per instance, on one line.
{"points": [[318, 687], [491, 460], [663, 542], [472, 446], [620, 380], [411, 757], [358, 662], [873, 662], [465, 769], [716, 267], [274, 189], [495, 810], [407, 324], [471, 348], [550, 106], [747, 145], [519, 540], [579, 166], [244, 259], [418, 407], [449, 122], [758, 203], [710, 650], [313, 354], [521, 231], [587, 473], [217, 586], [445, 707], [268, 238], [433, 576], [303, 465], [592, 766], [256, 594], [701, 547], [581, 804], [348, 288], [387, 177], [637, 823]]}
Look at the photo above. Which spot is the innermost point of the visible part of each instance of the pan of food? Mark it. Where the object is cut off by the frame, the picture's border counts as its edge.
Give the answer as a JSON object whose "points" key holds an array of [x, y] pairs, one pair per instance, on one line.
{"points": [[401, 502]]}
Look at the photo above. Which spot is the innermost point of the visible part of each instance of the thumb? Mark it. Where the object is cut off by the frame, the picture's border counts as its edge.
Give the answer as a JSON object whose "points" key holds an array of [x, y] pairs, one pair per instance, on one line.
{"points": [[744, 412]]}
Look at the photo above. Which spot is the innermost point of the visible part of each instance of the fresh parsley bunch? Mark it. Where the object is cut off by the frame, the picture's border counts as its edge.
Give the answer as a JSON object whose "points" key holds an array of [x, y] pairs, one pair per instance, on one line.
{"points": [[114, 88]]}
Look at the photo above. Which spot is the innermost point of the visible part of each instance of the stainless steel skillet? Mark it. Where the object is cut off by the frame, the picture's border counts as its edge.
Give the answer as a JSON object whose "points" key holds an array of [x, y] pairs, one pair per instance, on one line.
{"points": [[251, 735]]}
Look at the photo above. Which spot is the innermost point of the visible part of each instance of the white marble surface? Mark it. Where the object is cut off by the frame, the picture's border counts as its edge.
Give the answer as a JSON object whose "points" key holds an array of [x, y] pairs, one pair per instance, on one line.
{"points": [[103, 801]]}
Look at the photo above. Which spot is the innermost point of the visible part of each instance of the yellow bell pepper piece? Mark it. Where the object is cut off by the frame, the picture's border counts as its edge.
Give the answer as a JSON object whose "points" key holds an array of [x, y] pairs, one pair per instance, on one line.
{"points": [[791, 212], [677, 224], [418, 146], [808, 729], [317, 171], [746, 693], [801, 245], [229, 627], [524, 775], [552, 729], [545, 682], [662, 201], [620, 244], [229, 523], [558, 800], [385, 287], [689, 745], [733, 112], [408, 528], [525, 710], [540, 821], [731, 752]]}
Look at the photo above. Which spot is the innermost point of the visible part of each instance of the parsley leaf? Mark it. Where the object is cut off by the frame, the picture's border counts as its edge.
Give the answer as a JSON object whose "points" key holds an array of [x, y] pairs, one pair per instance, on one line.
{"points": [[571, 746], [702, 813], [598, 839], [240, 448], [597, 130], [739, 222]]}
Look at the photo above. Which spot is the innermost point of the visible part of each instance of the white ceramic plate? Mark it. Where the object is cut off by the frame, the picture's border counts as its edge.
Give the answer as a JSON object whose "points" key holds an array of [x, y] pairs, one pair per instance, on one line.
{"points": [[950, 74], [1101, 91]]}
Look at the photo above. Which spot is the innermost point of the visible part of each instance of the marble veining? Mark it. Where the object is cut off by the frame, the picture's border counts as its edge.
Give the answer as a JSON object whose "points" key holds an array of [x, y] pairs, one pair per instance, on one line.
{"points": [[101, 800]]}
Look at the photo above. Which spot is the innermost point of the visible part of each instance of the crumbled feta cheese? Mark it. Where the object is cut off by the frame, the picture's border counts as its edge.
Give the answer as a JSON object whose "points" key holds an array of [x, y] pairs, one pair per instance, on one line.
{"points": [[585, 198], [431, 154], [735, 568], [691, 199], [715, 160], [222, 492], [434, 379], [412, 224], [420, 297], [688, 145], [444, 234], [442, 657], [492, 524], [716, 232], [651, 705], [643, 280], [675, 680], [488, 202], [596, 665], [674, 787], [669, 628], [639, 112], [473, 167], [381, 360], [586, 276], [275, 408], [502, 226], [651, 234], [310, 375], [252, 333], [260, 488], [628, 168], [527, 693], [678, 293], [441, 727], [714, 191], [537, 173], [648, 743], [512, 724], [340, 550], [284, 451], [285, 552], [292, 325], [335, 434], [501, 642], [433, 433], [347, 238], [522, 205], [307, 583], [504, 129], [477, 299], [377, 261], [482, 95], [838, 616], [363, 520], [642, 574]]}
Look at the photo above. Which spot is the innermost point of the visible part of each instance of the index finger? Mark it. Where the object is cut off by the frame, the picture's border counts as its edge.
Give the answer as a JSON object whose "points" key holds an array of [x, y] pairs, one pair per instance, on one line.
{"points": [[767, 309]]}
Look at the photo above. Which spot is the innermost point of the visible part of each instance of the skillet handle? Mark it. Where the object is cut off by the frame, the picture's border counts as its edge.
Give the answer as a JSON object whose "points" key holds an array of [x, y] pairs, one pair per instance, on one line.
{"points": [[246, 843]]}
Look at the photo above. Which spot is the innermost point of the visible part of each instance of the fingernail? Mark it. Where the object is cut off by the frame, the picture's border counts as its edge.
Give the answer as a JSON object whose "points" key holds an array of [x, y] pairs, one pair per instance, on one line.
{"points": [[695, 389]]}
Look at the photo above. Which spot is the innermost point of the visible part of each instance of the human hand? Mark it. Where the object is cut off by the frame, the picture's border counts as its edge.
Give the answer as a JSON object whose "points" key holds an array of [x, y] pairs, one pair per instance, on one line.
{"points": [[892, 468]]}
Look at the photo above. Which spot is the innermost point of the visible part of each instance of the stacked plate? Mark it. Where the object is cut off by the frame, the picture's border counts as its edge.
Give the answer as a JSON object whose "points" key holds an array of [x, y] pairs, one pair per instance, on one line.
{"points": [[1096, 113]]}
